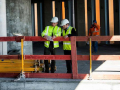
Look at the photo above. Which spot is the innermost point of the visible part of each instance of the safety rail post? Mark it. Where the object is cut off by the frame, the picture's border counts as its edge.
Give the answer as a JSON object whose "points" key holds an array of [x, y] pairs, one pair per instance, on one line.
{"points": [[90, 47], [22, 55], [74, 57]]}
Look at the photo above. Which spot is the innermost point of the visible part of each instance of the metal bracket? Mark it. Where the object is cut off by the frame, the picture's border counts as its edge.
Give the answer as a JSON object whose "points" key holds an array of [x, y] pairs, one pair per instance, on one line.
{"points": [[90, 78], [20, 77]]}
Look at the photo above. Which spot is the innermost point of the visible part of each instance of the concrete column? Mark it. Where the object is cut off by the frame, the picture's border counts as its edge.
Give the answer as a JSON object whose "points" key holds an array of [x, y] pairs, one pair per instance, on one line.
{"points": [[73, 12], [47, 12], [70, 11], [80, 19], [3, 32], [93, 9], [111, 19], [19, 21], [102, 18], [89, 8], [116, 17], [119, 17], [58, 10]]}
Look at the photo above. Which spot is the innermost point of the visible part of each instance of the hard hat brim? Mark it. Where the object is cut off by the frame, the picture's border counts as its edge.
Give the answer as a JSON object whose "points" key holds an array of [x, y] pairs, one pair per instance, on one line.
{"points": [[53, 22]]}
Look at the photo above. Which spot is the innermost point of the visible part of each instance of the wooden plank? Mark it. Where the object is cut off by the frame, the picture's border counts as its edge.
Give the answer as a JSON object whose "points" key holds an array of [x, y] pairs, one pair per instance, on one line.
{"points": [[38, 75], [9, 56], [9, 75], [7, 38], [83, 76], [99, 57], [12, 69], [78, 38], [61, 57], [62, 75], [98, 38], [34, 38], [74, 57], [106, 57], [49, 75], [48, 57], [83, 57], [106, 76]]}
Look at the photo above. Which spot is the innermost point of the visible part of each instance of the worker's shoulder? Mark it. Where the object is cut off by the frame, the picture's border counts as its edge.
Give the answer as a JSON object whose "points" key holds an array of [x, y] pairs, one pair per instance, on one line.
{"points": [[73, 29], [47, 26], [58, 27]]}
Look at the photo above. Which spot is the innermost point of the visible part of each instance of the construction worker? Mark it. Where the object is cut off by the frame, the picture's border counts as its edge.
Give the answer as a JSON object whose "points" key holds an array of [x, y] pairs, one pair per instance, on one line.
{"points": [[51, 32], [67, 31], [94, 31]]}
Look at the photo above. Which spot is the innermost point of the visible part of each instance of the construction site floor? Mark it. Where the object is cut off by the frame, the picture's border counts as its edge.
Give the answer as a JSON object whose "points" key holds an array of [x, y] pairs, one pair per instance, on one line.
{"points": [[58, 84], [107, 67]]}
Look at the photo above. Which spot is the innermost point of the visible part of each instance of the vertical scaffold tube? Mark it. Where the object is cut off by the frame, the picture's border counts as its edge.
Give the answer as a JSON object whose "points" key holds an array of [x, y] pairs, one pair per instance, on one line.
{"points": [[22, 55], [90, 44]]}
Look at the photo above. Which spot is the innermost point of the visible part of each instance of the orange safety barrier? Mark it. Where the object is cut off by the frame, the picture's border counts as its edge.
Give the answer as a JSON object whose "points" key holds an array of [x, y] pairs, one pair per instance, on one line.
{"points": [[73, 56]]}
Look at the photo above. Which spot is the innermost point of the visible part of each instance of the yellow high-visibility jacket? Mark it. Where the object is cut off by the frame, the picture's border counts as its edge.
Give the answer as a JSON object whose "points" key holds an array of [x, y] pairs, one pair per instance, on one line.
{"points": [[49, 30], [67, 44]]}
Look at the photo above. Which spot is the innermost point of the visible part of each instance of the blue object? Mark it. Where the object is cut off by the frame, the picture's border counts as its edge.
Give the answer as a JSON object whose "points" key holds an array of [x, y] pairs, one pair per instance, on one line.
{"points": [[94, 21], [2, 60]]}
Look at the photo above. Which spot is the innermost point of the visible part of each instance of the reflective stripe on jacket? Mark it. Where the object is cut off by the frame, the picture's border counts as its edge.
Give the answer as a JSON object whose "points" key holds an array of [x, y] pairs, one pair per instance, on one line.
{"points": [[94, 30], [49, 30], [67, 44]]}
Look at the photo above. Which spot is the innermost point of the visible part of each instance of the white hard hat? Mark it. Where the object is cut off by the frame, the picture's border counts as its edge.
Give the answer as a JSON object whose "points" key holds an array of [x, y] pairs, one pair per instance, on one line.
{"points": [[64, 22], [54, 20]]}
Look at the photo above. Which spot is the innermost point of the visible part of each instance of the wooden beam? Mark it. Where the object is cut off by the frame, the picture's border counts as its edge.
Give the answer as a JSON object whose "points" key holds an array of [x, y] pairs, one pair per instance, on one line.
{"points": [[111, 18], [63, 10], [97, 9], [47, 57], [74, 58], [86, 18], [36, 19], [53, 8]]}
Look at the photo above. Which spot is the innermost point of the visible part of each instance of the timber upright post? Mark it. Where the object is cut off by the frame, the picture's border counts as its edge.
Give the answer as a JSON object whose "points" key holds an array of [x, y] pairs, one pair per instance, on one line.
{"points": [[74, 57]]}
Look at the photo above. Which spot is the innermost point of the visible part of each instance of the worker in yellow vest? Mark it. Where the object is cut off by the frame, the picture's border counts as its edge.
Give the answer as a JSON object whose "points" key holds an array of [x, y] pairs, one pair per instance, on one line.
{"points": [[50, 33], [67, 31]]}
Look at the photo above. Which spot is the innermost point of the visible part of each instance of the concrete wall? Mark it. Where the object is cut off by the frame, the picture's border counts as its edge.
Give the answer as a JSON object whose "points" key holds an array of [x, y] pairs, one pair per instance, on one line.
{"points": [[3, 31], [19, 21]]}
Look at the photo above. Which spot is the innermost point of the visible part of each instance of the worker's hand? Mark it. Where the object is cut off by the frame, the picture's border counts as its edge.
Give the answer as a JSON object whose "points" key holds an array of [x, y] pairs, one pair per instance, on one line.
{"points": [[65, 36], [53, 37], [45, 37]]}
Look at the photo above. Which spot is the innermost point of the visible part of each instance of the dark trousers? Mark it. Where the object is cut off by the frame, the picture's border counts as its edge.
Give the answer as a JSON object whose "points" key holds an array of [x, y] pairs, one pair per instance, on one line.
{"points": [[48, 51], [68, 62], [95, 46]]}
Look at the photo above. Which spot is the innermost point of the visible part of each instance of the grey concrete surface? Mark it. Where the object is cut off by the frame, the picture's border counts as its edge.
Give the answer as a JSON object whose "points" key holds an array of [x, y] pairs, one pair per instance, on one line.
{"points": [[18, 14], [58, 84]]}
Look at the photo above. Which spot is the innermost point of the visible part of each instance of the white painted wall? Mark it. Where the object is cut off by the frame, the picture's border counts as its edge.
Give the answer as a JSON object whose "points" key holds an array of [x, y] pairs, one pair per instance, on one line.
{"points": [[3, 28]]}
